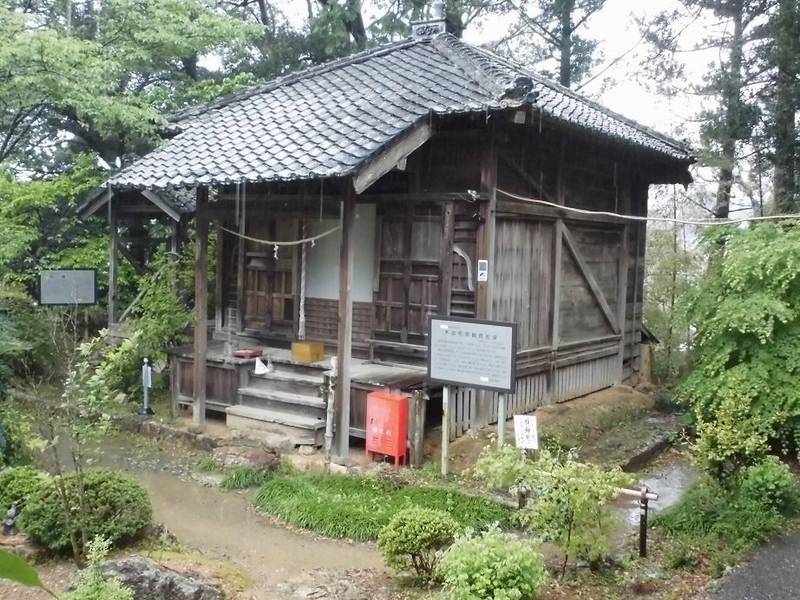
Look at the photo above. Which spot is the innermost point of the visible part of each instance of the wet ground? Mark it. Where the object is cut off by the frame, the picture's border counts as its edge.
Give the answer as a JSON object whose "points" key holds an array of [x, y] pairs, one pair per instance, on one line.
{"points": [[225, 525], [669, 476]]}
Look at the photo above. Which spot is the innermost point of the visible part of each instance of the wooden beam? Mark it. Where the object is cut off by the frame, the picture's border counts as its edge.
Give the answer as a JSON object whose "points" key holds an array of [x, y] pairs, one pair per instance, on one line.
{"points": [[113, 270], [96, 200], [388, 159], [137, 266], [529, 179], [584, 270], [345, 332], [200, 308], [162, 204]]}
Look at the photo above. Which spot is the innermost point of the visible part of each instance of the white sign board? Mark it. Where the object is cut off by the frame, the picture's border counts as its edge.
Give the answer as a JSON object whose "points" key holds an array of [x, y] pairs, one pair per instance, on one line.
{"points": [[472, 353], [526, 432], [68, 287]]}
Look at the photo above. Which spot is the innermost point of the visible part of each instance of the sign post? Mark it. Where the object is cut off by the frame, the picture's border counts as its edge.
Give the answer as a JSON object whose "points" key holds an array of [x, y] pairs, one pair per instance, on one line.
{"points": [[501, 419], [471, 353]]}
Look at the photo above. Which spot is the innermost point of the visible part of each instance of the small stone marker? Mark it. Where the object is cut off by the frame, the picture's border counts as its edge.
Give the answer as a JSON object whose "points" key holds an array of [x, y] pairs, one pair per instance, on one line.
{"points": [[526, 432]]}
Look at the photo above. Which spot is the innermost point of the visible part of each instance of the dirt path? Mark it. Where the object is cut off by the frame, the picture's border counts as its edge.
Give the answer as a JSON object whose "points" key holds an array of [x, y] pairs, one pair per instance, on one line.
{"points": [[219, 524], [223, 524]]}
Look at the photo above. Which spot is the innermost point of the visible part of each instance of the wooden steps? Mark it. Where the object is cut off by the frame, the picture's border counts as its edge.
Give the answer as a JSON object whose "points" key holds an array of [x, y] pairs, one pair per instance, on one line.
{"points": [[283, 406]]}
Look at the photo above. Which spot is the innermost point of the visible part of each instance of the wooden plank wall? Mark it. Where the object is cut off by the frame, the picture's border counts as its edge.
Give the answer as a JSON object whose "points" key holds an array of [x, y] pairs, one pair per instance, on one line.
{"points": [[322, 320]]}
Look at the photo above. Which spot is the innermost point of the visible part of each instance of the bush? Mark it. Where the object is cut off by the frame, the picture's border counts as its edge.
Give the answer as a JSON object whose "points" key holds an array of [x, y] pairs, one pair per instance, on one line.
{"points": [[413, 539], [358, 507], [18, 483], [117, 508], [569, 499], [770, 482], [92, 584], [493, 566]]}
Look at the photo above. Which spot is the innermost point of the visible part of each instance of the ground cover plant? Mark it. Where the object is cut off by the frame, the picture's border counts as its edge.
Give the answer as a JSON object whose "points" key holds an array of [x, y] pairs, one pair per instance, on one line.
{"points": [[721, 522], [358, 507], [242, 478]]}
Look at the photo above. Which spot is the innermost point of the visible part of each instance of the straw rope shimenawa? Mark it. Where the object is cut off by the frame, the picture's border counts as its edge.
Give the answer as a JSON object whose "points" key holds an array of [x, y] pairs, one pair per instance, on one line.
{"points": [[700, 223]]}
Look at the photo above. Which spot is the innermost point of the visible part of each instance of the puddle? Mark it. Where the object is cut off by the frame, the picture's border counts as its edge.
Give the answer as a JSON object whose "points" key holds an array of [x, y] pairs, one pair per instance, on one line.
{"points": [[225, 525], [669, 480]]}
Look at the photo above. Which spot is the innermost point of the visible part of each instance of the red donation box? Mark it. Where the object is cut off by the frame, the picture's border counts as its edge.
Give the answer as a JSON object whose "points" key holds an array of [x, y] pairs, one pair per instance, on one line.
{"points": [[387, 424]]}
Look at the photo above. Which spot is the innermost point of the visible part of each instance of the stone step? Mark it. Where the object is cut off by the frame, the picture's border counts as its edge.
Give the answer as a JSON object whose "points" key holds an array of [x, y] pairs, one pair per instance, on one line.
{"points": [[287, 427], [286, 402]]}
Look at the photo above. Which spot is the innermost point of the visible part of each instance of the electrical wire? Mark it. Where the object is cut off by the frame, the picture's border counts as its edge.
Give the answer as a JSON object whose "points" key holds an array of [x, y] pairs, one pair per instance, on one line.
{"points": [[700, 223]]}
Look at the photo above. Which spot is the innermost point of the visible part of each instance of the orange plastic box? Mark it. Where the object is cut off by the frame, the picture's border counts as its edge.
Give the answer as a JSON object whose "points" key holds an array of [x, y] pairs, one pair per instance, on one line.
{"points": [[387, 424]]}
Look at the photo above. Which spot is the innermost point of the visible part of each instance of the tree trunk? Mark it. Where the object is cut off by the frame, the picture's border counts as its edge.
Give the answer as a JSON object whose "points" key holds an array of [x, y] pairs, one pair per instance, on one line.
{"points": [[785, 57], [731, 101], [565, 71]]}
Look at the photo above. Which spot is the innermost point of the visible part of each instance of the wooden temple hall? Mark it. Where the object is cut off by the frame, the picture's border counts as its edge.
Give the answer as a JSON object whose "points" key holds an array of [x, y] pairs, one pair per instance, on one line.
{"points": [[355, 199]]}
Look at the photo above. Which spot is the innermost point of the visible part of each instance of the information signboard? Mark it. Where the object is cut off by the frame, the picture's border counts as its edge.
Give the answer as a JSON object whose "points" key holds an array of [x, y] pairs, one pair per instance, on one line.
{"points": [[68, 287], [472, 353], [526, 432]]}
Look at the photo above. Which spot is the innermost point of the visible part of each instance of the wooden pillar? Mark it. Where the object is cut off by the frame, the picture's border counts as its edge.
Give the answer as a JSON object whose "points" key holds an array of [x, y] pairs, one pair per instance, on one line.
{"points": [[200, 307], [622, 297], [113, 252], [483, 291], [218, 280], [345, 333], [241, 259]]}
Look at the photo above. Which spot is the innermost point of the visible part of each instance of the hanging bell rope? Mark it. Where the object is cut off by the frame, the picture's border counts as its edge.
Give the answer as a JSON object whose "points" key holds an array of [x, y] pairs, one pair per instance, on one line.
{"points": [[286, 243]]}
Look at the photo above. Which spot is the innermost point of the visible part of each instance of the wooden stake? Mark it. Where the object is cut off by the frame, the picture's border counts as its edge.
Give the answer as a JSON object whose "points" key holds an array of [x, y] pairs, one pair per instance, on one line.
{"points": [[200, 308]]}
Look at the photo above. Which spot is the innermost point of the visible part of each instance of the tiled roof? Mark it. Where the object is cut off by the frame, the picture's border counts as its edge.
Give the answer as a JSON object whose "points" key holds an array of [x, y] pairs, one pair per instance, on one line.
{"points": [[329, 120]]}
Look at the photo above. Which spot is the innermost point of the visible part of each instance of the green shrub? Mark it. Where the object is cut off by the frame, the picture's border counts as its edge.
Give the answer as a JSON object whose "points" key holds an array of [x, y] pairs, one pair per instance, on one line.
{"points": [[493, 566], [413, 539], [771, 482], [92, 584], [242, 478], [117, 508], [358, 507], [18, 483], [569, 499]]}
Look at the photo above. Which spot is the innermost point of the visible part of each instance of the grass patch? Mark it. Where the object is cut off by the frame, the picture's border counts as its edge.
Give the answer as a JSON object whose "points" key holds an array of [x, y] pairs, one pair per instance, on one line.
{"points": [[242, 478], [357, 507], [716, 525], [208, 465]]}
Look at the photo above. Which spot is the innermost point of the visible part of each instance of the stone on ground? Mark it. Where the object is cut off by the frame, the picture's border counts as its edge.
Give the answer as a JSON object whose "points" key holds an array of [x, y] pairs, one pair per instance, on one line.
{"points": [[149, 581], [254, 457]]}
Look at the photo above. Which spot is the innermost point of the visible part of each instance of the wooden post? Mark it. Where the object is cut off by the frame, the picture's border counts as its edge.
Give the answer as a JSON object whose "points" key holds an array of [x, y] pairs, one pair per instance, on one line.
{"points": [[241, 258], [218, 279], [485, 250], [345, 333], [113, 271], [622, 298], [555, 332], [501, 419], [445, 430], [417, 431], [200, 308]]}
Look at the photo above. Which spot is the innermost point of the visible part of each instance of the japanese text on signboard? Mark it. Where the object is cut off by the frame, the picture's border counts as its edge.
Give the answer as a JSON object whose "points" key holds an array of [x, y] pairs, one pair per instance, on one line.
{"points": [[478, 354]]}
